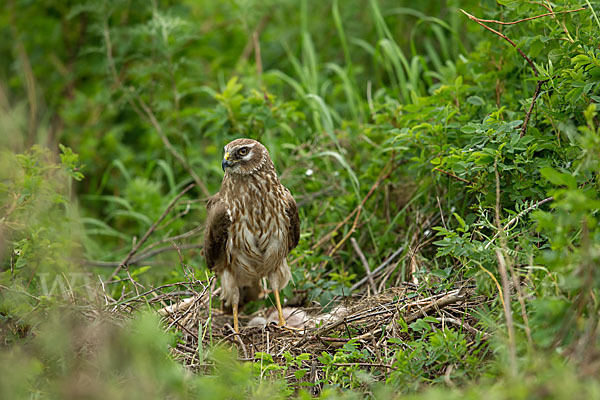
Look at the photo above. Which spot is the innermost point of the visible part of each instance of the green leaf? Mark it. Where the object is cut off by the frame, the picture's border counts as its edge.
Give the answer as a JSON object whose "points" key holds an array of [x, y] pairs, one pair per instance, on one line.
{"points": [[475, 100], [558, 178], [460, 220], [299, 374]]}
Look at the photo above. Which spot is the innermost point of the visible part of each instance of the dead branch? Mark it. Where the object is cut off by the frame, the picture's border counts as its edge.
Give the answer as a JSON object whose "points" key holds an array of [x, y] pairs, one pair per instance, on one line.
{"points": [[136, 247], [365, 264], [385, 173], [438, 304], [502, 262], [378, 269], [142, 256]]}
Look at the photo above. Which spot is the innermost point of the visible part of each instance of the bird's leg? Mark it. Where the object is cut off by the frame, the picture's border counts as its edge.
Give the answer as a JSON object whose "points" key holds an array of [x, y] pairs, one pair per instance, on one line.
{"points": [[236, 326], [282, 322], [279, 310]]}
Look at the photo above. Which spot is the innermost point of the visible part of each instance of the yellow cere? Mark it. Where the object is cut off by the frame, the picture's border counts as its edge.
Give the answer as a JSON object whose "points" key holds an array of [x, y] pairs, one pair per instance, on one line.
{"points": [[227, 156]]}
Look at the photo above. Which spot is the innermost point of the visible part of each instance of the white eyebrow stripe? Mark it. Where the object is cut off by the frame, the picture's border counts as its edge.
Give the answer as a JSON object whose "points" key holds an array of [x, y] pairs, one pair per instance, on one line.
{"points": [[249, 146]]}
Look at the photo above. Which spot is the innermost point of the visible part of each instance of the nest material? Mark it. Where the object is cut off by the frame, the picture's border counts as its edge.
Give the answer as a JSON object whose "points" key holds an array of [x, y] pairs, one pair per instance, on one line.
{"points": [[370, 322]]}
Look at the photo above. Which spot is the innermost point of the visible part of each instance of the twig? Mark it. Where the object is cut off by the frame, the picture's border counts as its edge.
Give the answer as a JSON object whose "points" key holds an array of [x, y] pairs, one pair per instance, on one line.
{"points": [[521, 299], [147, 113], [152, 291], [364, 364], [464, 325], [377, 270], [142, 256], [172, 149], [136, 247], [531, 64], [503, 36], [365, 264], [519, 215], [257, 56], [538, 89], [175, 238], [454, 176], [438, 304], [447, 375], [238, 339], [530, 18], [343, 240], [507, 309], [382, 176], [504, 277], [262, 24], [446, 299]]}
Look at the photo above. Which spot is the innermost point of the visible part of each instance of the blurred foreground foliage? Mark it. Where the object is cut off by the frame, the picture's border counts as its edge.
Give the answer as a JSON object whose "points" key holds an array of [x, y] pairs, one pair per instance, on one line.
{"points": [[413, 115]]}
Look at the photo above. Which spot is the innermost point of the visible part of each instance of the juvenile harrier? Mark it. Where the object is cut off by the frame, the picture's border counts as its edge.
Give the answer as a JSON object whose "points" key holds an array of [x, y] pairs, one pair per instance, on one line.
{"points": [[251, 226]]}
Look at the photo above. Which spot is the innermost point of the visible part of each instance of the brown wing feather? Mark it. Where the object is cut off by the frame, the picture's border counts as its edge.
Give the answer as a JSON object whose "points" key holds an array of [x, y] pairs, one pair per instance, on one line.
{"points": [[216, 232], [294, 228]]}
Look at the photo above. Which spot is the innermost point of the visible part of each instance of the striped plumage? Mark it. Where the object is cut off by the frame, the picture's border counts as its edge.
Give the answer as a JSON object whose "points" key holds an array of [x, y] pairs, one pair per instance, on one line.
{"points": [[252, 224]]}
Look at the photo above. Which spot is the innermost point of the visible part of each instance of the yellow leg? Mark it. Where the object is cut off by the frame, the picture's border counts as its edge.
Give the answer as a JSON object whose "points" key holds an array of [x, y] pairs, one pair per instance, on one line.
{"points": [[236, 326], [279, 310]]}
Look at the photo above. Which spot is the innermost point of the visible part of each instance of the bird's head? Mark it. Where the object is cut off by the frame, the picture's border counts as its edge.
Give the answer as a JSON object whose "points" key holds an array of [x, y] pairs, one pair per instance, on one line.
{"points": [[244, 156]]}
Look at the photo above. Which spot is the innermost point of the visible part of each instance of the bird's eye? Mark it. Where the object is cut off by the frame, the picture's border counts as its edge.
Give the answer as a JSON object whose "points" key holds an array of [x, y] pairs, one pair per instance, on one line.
{"points": [[243, 151]]}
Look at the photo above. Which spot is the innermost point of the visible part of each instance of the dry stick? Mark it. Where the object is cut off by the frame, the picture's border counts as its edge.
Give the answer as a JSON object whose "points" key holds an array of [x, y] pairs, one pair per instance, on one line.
{"points": [[450, 174], [446, 299], [184, 235], [149, 115], [257, 56], [447, 375], [262, 24], [365, 264], [438, 304], [382, 176], [464, 325], [139, 244], [504, 276], [521, 299], [377, 270], [507, 309], [142, 256], [343, 240], [364, 364], [531, 64], [167, 285]]}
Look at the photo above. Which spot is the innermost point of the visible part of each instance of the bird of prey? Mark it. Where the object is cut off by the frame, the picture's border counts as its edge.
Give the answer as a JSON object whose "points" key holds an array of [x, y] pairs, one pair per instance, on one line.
{"points": [[251, 225]]}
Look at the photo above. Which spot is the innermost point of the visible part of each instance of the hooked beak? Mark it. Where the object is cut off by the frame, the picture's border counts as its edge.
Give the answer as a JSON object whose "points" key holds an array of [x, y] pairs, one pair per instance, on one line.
{"points": [[226, 163]]}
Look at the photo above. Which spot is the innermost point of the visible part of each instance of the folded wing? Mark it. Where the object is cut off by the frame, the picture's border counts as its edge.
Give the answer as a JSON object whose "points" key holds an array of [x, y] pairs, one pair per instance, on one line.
{"points": [[216, 233]]}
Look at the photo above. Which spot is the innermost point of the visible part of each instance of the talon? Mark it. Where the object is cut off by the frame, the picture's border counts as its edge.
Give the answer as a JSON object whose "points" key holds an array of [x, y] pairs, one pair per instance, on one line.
{"points": [[291, 328]]}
